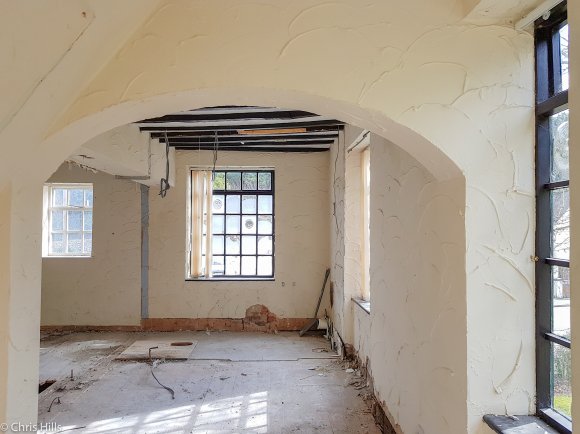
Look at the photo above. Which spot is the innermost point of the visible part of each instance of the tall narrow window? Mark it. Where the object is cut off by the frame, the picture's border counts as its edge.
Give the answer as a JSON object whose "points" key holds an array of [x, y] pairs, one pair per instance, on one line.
{"points": [[366, 236], [232, 224], [68, 222], [554, 368]]}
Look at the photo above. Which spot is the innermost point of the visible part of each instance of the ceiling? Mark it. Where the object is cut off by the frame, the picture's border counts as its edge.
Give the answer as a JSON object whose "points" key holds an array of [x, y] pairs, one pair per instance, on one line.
{"points": [[244, 128]]}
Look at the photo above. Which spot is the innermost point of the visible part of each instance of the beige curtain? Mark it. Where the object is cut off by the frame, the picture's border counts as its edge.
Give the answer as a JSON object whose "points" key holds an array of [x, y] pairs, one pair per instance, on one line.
{"points": [[201, 213]]}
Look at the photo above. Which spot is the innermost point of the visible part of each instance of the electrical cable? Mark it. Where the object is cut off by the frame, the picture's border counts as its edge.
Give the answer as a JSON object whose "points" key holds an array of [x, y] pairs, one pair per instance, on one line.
{"points": [[215, 154], [164, 184], [169, 389]]}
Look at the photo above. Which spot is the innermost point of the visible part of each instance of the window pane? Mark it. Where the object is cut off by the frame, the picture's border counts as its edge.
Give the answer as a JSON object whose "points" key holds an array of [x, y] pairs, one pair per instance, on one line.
{"points": [[265, 245], [217, 222], [249, 181], [232, 265], [74, 243], [89, 197], [59, 197], [564, 57], [248, 224], [561, 223], [57, 244], [561, 301], [249, 265], [57, 220], [249, 245], [264, 181], [234, 181], [265, 204], [76, 197], [233, 224], [233, 204], [265, 224], [249, 204], [219, 181], [217, 245], [264, 265], [74, 220], [233, 245], [218, 204], [217, 266], [562, 379], [87, 243], [560, 149], [88, 221]]}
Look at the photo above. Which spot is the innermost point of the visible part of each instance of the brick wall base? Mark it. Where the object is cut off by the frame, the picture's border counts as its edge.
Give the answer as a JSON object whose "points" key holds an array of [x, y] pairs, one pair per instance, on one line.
{"points": [[192, 324]]}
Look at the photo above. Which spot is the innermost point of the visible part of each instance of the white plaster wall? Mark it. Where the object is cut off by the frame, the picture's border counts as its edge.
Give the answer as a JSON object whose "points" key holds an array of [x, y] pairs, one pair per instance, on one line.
{"points": [[362, 334], [417, 344], [353, 223], [125, 151], [301, 245], [337, 247], [120, 151], [104, 289], [444, 89]]}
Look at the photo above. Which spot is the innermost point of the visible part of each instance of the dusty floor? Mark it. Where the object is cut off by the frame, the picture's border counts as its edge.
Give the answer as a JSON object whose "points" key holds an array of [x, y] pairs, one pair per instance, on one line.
{"points": [[232, 382]]}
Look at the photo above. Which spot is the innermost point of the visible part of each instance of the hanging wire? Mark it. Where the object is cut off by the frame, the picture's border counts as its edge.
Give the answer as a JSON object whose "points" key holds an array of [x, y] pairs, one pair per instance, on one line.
{"points": [[164, 185], [215, 154]]}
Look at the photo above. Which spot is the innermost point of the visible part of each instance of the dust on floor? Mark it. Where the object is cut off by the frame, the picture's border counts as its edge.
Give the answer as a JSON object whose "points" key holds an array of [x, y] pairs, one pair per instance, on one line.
{"points": [[231, 382]]}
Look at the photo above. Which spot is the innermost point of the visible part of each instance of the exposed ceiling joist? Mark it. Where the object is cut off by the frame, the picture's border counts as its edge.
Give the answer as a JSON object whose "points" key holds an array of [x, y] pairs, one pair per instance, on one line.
{"points": [[244, 128], [321, 125]]}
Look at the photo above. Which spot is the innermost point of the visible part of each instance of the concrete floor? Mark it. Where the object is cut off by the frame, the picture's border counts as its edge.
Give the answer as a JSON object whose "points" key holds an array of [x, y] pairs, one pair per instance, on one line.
{"points": [[232, 382]]}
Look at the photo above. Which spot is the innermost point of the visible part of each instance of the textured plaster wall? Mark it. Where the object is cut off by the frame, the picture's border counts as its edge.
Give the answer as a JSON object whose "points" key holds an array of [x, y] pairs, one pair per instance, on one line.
{"points": [[20, 230], [454, 94], [125, 151], [417, 344], [104, 289], [353, 223], [337, 247], [362, 335], [301, 245]]}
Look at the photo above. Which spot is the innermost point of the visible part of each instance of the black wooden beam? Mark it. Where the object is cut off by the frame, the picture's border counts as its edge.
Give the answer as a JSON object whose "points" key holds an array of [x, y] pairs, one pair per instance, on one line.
{"points": [[194, 145], [193, 135], [241, 116], [324, 125], [258, 149], [220, 143]]}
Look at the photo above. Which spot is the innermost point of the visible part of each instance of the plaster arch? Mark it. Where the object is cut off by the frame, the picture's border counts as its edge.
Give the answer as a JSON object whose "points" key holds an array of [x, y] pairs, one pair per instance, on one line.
{"points": [[60, 144], [463, 92]]}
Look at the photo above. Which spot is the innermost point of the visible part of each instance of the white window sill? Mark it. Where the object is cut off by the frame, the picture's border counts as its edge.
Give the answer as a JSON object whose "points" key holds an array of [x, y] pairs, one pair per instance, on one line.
{"points": [[230, 279], [68, 257], [363, 304]]}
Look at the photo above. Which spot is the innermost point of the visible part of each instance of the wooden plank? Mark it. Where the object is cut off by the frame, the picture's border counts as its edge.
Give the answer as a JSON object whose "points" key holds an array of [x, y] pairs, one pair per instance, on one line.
{"points": [[139, 350]]}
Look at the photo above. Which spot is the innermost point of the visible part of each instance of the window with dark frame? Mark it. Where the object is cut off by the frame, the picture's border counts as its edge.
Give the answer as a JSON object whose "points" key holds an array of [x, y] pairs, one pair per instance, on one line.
{"points": [[553, 341], [242, 224]]}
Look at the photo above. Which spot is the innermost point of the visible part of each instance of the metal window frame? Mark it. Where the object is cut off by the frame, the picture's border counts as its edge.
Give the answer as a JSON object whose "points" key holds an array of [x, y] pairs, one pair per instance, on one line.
{"points": [[549, 101], [65, 231], [241, 192]]}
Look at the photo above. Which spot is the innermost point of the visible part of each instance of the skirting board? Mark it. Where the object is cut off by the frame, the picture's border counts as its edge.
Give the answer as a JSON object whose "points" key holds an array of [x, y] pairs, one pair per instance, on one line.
{"points": [[190, 324]]}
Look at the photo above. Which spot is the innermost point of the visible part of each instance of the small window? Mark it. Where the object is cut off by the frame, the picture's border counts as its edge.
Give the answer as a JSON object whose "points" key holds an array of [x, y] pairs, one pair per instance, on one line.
{"points": [[366, 211], [232, 224], [68, 223]]}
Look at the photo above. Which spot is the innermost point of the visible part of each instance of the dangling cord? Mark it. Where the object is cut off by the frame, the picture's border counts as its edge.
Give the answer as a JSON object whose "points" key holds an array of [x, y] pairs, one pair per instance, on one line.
{"points": [[215, 154], [165, 181]]}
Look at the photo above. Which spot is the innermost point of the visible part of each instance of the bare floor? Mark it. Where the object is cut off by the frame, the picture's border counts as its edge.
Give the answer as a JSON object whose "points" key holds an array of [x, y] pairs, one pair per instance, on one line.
{"points": [[230, 382]]}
